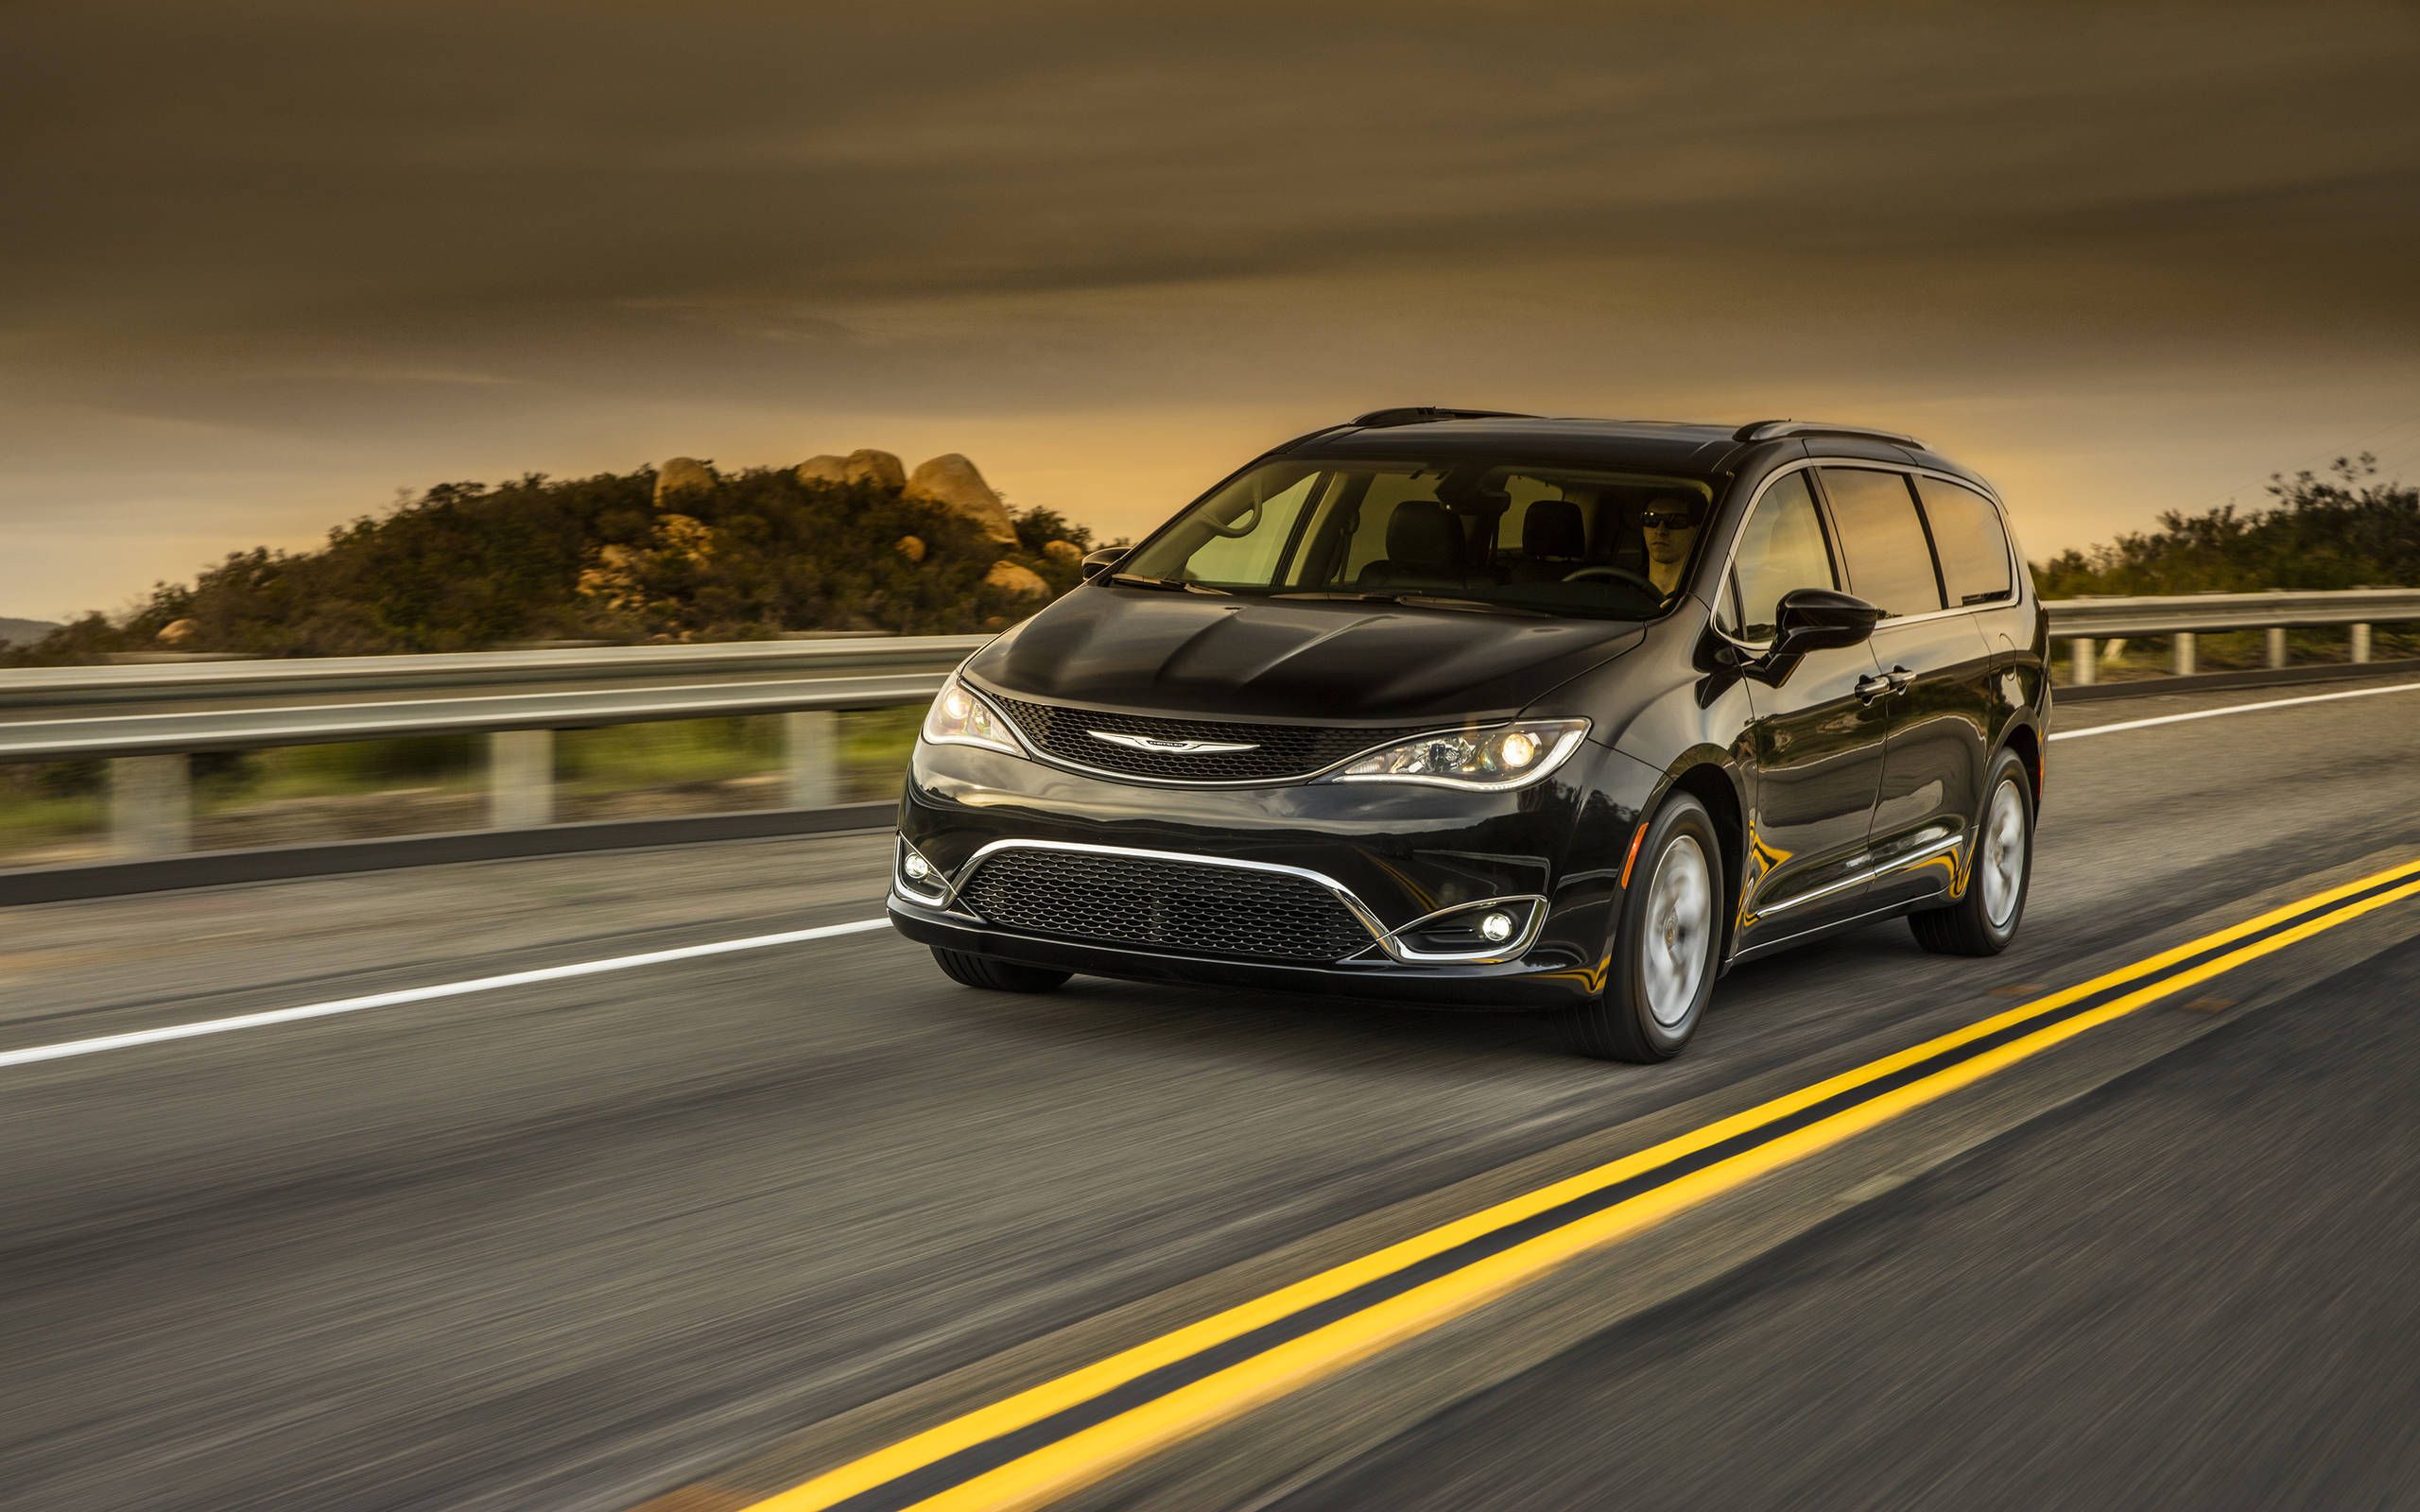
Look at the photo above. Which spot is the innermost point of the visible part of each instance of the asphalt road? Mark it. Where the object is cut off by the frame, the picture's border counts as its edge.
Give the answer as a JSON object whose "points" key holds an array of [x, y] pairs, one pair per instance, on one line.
{"points": [[587, 1241], [2190, 1289]]}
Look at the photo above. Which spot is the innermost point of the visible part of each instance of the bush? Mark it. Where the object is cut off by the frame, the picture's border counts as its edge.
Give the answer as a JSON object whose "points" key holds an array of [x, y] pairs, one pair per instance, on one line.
{"points": [[466, 567], [2345, 530]]}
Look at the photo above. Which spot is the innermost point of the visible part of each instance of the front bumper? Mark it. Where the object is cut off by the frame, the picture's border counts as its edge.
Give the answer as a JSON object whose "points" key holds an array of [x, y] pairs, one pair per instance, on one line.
{"points": [[1399, 854]]}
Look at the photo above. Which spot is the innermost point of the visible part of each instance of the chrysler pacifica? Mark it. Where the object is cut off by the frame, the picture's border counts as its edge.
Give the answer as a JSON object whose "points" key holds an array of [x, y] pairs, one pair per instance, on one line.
{"points": [[1481, 710]]}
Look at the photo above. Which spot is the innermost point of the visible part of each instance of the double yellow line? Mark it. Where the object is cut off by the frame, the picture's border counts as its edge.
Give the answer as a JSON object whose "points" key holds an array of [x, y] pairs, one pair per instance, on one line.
{"points": [[1042, 1442]]}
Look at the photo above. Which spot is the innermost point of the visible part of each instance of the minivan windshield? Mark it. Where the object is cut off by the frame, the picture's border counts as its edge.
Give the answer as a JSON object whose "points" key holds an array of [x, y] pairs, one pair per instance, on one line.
{"points": [[1507, 537]]}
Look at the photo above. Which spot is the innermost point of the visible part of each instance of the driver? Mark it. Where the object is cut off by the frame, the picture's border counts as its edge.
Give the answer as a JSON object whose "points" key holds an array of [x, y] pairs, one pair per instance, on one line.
{"points": [[1669, 526]]}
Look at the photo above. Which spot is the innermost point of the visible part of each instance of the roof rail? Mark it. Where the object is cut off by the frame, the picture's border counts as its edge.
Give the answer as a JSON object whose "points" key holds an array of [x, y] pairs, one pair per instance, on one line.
{"points": [[1773, 430], [1422, 414]]}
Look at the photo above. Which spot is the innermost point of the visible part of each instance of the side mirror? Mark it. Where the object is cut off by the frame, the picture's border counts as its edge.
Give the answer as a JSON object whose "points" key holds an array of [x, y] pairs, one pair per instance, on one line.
{"points": [[1821, 619], [1807, 619], [1100, 561]]}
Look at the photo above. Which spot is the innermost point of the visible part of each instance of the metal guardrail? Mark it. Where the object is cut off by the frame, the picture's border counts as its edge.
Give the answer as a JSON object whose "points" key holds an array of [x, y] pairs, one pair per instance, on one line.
{"points": [[147, 720], [2085, 623]]}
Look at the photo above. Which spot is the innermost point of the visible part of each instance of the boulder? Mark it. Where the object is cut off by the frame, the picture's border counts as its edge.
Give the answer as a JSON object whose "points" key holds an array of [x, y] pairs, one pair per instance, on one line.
{"points": [[911, 547], [680, 475], [882, 468], [1024, 583], [176, 633], [865, 465], [951, 481], [1062, 551]]}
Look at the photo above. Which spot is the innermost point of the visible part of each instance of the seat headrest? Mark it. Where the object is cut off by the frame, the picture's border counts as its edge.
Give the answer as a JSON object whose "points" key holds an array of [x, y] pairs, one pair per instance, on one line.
{"points": [[1420, 534], [1553, 529]]}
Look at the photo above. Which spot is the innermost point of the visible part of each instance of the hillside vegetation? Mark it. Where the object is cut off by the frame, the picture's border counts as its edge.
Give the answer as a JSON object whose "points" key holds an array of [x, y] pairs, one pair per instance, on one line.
{"points": [[2344, 530], [631, 558], [616, 558]]}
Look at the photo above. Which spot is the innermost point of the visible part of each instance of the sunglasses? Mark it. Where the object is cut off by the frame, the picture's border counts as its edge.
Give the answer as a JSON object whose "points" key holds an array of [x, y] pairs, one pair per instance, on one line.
{"points": [[1668, 522]]}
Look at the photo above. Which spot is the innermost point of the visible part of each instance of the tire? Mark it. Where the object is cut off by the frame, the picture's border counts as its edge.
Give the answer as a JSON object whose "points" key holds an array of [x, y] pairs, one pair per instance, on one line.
{"points": [[1669, 924], [996, 975], [1984, 919]]}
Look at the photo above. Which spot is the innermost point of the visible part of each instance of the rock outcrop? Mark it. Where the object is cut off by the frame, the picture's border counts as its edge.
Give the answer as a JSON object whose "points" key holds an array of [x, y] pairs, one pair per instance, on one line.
{"points": [[950, 480], [679, 476], [1022, 581], [1066, 551], [911, 547], [865, 465], [177, 632]]}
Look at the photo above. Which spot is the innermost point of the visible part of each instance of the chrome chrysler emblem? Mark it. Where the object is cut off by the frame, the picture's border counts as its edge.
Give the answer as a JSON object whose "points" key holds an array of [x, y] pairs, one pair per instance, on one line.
{"points": [[1178, 747]]}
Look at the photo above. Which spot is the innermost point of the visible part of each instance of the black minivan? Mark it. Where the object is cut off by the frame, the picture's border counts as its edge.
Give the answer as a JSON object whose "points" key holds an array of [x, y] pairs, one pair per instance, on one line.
{"points": [[1482, 710]]}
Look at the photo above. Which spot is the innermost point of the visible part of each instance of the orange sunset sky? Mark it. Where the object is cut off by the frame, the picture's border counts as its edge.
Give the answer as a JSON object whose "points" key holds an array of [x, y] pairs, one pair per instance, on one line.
{"points": [[267, 264]]}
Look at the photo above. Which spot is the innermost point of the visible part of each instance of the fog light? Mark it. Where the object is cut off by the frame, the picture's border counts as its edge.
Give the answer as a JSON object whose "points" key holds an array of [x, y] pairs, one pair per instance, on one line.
{"points": [[917, 867], [1497, 926]]}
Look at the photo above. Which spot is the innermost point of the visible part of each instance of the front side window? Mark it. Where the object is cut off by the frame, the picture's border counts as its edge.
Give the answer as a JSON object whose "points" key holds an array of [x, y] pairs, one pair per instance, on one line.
{"points": [[1251, 545], [1781, 549], [1969, 539], [1548, 539], [1882, 540]]}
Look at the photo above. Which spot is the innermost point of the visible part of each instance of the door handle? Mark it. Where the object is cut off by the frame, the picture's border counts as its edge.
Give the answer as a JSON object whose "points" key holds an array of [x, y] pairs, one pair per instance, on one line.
{"points": [[1869, 689], [1901, 680]]}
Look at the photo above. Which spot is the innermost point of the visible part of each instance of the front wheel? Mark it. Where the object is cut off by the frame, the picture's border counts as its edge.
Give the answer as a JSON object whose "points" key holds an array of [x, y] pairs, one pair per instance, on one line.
{"points": [[1984, 919], [1666, 946], [996, 975]]}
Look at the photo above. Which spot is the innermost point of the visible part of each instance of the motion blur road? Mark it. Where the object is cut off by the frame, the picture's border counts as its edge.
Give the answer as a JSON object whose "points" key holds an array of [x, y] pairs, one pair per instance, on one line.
{"points": [[697, 1229]]}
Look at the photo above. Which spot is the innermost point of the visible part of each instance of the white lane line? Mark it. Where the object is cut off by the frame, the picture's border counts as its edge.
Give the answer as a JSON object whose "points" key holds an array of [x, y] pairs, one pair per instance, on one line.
{"points": [[423, 994], [2231, 709]]}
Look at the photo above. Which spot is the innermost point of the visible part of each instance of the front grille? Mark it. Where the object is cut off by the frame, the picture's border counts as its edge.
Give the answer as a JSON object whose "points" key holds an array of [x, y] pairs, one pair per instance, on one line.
{"points": [[1199, 907], [1280, 752]]}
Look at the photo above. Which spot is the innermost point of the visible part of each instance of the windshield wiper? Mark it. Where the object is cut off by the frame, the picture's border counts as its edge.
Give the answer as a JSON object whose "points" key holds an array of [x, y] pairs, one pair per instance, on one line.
{"points": [[1420, 600], [1138, 580]]}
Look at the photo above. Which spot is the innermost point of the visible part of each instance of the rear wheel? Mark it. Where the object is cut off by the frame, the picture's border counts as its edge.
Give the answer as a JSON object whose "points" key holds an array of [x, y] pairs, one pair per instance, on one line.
{"points": [[1665, 946], [1984, 919], [999, 976]]}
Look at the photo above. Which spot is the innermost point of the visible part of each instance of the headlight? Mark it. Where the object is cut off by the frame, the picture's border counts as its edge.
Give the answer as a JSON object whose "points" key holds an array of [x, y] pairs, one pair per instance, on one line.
{"points": [[961, 717], [1497, 759]]}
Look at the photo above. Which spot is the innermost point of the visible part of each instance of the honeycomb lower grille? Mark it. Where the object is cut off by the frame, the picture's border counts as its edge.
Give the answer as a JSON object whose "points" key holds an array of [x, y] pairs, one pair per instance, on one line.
{"points": [[1198, 907], [1278, 751]]}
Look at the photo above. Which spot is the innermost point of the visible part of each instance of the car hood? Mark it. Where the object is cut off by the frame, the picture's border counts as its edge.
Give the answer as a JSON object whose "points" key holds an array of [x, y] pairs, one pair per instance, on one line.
{"points": [[1151, 651]]}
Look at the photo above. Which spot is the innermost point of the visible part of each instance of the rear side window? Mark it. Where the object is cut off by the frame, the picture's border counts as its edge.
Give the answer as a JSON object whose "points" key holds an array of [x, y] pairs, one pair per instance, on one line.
{"points": [[1969, 540], [1781, 549], [1882, 539]]}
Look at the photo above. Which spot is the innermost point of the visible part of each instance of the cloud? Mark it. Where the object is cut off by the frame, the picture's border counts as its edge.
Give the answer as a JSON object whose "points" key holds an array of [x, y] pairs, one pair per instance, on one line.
{"points": [[429, 234]]}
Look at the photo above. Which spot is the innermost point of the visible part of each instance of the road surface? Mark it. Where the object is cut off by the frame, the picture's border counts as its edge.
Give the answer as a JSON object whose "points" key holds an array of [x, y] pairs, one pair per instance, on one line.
{"points": [[691, 1229]]}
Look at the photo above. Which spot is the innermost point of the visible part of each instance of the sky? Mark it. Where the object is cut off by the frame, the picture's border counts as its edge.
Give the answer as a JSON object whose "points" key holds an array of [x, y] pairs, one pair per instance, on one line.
{"points": [[263, 265]]}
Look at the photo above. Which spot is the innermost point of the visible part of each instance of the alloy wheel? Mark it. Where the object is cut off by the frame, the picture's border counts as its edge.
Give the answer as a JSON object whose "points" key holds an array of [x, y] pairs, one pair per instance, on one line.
{"points": [[1680, 920]]}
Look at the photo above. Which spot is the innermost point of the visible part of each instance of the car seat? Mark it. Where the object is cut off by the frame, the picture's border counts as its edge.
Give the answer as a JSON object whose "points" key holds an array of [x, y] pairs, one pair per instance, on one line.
{"points": [[1424, 550], [1553, 540]]}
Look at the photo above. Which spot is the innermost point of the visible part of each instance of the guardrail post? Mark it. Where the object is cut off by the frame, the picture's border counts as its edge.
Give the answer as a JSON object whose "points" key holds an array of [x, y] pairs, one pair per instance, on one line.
{"points": [[2360, 642], [150, 806], [2277, 645], [521, 779], [2182, 643], [811, 757], [2087, 663]]}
